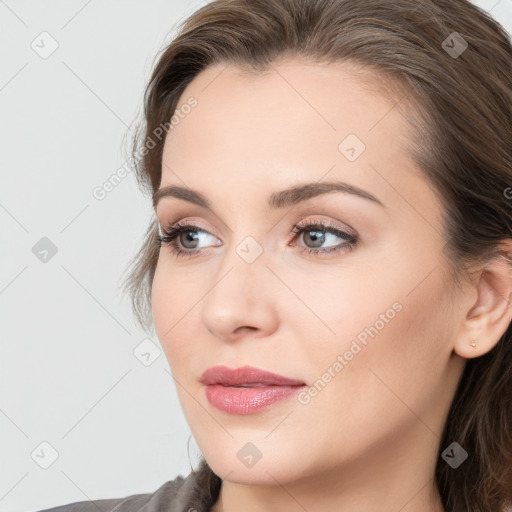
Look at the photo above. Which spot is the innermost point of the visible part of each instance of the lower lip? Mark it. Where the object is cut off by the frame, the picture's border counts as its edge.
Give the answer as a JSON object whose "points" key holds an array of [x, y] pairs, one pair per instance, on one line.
{"points": [[247, 400]]}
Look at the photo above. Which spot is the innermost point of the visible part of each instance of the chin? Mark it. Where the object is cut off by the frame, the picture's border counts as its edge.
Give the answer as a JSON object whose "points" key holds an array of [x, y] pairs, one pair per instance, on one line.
{"points": [[239, 463]]}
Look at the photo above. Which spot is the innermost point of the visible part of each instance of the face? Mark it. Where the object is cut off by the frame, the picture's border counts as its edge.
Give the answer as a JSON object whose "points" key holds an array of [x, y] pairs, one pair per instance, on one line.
{"points": [[344, 293]]}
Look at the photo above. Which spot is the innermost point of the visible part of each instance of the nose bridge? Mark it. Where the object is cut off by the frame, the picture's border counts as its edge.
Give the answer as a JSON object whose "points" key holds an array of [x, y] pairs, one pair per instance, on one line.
{"points": [[245, 247], [239, 294], [243, 265]]}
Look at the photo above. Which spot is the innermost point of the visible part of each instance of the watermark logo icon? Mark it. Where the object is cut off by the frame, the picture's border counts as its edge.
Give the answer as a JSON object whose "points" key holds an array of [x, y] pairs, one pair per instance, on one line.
{"points": [[351, 147], [454, 45], [147, 352], [249, 454], [44, 455], [44, 250], [454, 455], [44, 45], [249, 249]]}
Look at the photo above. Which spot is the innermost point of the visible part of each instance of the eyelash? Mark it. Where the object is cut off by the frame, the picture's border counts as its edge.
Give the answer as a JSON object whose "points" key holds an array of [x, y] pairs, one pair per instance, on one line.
{"points": [[171, 233]]}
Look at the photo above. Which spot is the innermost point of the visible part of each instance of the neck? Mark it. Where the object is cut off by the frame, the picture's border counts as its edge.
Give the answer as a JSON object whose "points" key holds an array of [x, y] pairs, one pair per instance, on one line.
{"points": [[424, 497]]}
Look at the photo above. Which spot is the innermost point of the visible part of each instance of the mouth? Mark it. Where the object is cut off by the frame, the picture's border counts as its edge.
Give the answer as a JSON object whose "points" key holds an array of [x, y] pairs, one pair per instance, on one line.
{"points": [[247, 390]]}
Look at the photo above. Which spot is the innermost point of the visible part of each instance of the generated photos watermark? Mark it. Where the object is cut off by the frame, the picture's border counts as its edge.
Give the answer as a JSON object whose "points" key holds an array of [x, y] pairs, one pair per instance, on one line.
{"points": [[342, 360]]}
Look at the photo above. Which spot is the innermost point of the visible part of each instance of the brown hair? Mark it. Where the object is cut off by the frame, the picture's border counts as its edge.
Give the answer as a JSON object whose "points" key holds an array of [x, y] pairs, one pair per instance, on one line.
{"points": [[460, 106]]}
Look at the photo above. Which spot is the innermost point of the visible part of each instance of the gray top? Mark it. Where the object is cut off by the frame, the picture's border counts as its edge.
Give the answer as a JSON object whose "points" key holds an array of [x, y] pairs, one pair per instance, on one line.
{"points": [[178, 495]]}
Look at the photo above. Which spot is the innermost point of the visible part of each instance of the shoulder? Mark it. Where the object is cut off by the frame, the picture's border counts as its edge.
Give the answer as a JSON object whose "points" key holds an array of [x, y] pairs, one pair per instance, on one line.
{"points": [[171, 496]]}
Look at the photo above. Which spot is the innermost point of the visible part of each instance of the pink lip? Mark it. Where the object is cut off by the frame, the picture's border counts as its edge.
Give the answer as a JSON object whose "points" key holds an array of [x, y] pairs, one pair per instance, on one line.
{"points": [[222, 392], [245, 375]]}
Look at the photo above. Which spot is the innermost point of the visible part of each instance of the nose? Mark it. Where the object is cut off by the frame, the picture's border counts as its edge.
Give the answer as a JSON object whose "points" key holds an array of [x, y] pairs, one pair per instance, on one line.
{"points": [[240, 300]]}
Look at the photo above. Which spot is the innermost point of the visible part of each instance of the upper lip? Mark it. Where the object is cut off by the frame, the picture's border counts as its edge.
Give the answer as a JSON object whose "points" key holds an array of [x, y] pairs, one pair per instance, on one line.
{"points": [[245, 375]]}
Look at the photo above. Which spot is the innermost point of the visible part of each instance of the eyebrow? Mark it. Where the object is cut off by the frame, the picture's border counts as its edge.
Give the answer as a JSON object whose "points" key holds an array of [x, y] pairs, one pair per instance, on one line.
{"points": [[282, 199]]}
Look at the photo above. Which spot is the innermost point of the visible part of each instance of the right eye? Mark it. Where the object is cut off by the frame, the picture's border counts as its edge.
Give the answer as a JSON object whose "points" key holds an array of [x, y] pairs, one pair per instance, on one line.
{"points": [[172, 236]]}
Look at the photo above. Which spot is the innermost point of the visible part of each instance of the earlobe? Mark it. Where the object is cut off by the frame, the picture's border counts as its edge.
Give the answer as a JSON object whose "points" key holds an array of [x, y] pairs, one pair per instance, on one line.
{"points": [[491, 314]]}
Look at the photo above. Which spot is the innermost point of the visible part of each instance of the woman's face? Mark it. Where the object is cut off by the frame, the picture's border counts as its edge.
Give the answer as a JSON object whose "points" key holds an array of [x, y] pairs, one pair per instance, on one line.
{"points": [[367, 326]]}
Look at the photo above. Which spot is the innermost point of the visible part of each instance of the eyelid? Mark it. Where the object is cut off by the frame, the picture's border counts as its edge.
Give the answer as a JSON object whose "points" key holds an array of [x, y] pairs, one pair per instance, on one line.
{"points": [[184, 223], [327, 224]]}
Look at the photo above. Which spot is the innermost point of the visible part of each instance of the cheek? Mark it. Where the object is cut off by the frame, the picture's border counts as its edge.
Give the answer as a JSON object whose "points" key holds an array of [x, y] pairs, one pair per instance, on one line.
{"points": [[175, 294], [406, 362], [168, 307], [390, 347], [352, 308], [170, 295], [160, 301]]}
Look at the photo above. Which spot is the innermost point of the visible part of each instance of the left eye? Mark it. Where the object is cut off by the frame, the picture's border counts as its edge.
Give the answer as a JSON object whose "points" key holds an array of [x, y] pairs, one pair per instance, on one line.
{"points": [[314, 232], [318, 235]]}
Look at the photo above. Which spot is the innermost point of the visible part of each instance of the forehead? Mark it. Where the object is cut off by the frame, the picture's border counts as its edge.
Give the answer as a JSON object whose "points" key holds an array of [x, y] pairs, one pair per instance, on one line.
{"points": [[290, 124], [294, 107]]}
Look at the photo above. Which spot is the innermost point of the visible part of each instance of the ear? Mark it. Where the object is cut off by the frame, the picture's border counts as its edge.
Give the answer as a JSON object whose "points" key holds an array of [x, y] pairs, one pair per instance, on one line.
{"points": [[491, 314]]}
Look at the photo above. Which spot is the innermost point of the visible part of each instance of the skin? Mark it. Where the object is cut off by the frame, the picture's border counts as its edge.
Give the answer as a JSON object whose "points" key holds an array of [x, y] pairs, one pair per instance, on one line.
{"points": [[370, 436]]}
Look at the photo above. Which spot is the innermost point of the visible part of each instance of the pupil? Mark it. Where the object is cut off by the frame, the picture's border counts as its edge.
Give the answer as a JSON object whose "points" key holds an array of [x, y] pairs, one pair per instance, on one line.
{"points": [[318, 237], [191, 236]]}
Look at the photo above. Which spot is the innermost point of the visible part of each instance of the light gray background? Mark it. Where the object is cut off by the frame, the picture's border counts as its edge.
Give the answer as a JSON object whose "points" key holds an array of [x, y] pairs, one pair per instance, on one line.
{"points": [[68, 373]]}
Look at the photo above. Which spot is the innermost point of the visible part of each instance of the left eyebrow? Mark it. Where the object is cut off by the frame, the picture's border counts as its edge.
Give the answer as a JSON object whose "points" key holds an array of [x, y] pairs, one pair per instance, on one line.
{"points": [[282, 199]]}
